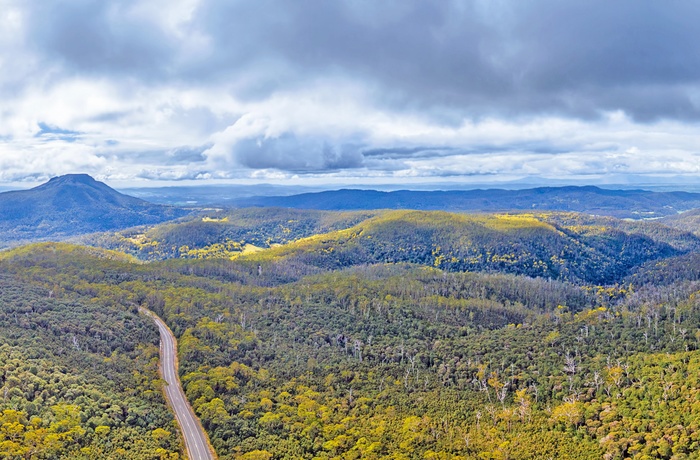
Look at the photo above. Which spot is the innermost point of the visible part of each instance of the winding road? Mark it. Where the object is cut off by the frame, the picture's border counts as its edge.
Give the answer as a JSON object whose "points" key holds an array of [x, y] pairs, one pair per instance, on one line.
{"points": [[196, 440]]}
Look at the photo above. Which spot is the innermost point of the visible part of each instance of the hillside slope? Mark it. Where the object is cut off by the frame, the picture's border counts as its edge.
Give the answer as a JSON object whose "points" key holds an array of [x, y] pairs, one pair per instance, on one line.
{"points": [[224, 234], [71, 205], [687, 221], [533, 245], [79, 378], [390, 360]]}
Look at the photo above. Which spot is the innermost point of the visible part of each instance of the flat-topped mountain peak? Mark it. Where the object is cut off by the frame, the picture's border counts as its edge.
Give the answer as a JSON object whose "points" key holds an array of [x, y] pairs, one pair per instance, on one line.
{"points": [[71, 179], [70, 205]]}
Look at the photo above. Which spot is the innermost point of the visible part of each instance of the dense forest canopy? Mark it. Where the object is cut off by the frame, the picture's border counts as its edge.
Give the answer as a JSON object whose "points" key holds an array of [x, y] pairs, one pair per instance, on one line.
{"points": [[377, 335], [78, 379]]}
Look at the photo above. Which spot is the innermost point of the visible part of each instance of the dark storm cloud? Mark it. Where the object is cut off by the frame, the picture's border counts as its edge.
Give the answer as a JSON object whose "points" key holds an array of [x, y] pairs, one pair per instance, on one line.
{"points": [[478, 58], [103, 37], [475, 58], [383, 43], [291, 153], [187, 154]]}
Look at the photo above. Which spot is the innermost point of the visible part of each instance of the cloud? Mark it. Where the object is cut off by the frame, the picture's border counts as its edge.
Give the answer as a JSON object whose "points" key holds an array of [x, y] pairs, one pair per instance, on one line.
{"points": [[202, 89], [288, 152], [53, 132], [100, 38], [187, 154], [475, 57], [183, 155]]}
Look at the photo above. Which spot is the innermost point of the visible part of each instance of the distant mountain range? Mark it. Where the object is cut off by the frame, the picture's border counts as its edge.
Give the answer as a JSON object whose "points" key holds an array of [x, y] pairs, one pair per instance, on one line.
{"points": [[76, 204], [71, 205], [634, 204]]}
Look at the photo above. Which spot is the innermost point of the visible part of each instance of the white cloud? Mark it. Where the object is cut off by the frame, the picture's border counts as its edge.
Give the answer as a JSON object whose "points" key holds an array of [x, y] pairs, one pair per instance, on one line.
{"points": [[208, 89]]}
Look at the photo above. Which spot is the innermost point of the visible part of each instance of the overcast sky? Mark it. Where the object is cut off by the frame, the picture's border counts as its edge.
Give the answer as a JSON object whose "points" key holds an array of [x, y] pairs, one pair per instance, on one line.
{"points": [[349, 91]]}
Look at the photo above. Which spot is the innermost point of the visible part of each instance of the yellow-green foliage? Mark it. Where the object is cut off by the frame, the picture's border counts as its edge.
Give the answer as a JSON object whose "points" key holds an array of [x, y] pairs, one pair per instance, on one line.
{"points": [[201, 234], [320, 349], [518, 243], [78, 380], [30, 252], [225, 250]]}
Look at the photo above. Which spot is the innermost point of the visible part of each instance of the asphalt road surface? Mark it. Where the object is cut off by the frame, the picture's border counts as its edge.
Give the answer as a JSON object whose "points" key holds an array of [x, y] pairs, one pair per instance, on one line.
{"points": [[196, 440]]}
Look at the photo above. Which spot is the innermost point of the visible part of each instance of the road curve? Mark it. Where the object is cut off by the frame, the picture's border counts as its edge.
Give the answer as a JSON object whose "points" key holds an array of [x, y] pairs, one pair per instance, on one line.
{"points": [[196, 440]]}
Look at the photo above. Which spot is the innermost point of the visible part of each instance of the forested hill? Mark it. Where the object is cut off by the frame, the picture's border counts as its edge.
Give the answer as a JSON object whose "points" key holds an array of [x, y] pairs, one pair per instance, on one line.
{"points": [[688, 221], [78, 378], [567, 247], [634, 204], [70, 205], [409, 335], [383, 361], [224, 234], [394, 334]]}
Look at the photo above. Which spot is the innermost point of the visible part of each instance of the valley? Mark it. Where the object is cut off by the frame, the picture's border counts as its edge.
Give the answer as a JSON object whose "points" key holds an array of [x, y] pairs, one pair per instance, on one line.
{"points": [[378, 334]]}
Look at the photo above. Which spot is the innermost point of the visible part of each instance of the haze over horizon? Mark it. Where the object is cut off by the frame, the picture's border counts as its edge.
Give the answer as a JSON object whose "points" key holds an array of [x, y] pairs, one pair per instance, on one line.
{"points": [[316, 92]]}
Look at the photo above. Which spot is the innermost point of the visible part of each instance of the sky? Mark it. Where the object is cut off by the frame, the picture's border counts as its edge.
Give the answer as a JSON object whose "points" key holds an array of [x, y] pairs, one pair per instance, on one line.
{"points": [[149, 92]]}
